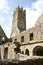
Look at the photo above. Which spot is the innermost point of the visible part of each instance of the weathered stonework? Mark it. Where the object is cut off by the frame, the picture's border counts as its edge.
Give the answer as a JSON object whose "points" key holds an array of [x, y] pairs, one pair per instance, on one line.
{"points": [[19, 21], [32, 39]]}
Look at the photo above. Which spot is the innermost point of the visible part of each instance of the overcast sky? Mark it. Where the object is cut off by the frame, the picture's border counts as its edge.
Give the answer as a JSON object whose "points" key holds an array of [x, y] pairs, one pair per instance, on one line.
{"points": [[34, 9]]}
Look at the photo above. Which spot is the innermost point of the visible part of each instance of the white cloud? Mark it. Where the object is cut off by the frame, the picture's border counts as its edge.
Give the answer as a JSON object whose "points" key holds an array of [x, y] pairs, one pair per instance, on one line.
{"points": [[38, 5], [6, 11], [2, 19], [7, 30], [4, 6], [33, 13]]}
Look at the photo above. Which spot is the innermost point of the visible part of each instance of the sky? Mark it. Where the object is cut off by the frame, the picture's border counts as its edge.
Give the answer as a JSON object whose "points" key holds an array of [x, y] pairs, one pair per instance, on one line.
{"points": [[34, 9]]}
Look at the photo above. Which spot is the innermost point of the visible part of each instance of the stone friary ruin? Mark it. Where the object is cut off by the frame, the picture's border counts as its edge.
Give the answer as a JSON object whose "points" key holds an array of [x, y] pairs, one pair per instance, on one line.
{"points": [[23, 44]]}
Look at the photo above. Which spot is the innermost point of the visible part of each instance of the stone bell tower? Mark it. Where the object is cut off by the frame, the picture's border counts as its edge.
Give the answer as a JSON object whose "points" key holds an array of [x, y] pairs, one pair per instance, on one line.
{"points": [[19, 21]]}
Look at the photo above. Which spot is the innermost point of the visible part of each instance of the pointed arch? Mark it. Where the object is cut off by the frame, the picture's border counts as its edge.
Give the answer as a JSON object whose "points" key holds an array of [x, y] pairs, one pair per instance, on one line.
{"points": [[38, 50], [27, 52]]}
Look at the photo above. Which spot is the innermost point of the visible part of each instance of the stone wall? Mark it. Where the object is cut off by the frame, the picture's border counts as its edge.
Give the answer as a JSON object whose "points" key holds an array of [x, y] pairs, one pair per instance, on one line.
{"points": [[19, 21], [32, 38]]}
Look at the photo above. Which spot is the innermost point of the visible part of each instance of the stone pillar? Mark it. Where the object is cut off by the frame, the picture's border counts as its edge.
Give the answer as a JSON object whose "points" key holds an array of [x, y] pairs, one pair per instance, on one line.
{"points": [[2, 53], [30, 53]]}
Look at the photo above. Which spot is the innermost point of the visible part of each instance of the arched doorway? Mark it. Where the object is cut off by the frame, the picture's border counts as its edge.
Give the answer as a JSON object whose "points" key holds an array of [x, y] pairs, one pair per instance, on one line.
{"points": [[6, 53], [22, 52], [27, 52], [38, 50]]}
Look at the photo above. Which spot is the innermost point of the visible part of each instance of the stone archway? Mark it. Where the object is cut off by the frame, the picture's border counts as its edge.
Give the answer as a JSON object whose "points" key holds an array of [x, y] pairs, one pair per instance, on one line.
{"points": [[27, 52], [38, 51], [22, 52], [6, 53]]}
